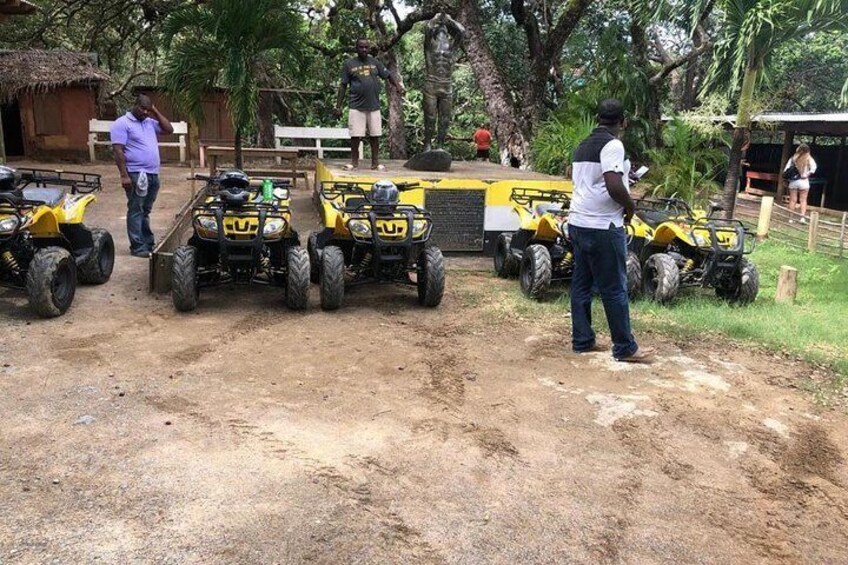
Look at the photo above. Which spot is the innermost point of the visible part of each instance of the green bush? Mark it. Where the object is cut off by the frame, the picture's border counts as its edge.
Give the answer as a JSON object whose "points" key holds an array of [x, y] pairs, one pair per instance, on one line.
{"points": [[556, 139], [687, 164]]}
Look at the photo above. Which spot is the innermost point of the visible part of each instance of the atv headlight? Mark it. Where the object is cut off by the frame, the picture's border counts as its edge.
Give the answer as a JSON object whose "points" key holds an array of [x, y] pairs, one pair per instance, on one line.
{"points": [[419, 227], [207, 223], [273, 227], [8, 225], [360, 228]]}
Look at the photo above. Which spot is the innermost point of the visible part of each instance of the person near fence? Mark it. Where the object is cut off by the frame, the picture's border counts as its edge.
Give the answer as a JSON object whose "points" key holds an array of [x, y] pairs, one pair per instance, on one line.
{"points": [[600, 206], [136, 149], [362, 74], [798, 171]]}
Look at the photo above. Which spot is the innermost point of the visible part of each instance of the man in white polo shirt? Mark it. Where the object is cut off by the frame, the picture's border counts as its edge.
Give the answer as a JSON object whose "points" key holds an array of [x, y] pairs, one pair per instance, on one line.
{"points": [[600, 205]]}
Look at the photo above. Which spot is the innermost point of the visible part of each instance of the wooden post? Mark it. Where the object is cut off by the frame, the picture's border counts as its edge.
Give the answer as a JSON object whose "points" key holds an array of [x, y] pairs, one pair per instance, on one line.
{"points": [[842, 233], [766, 205], [812, 237], [788, 139], [787, 284]]}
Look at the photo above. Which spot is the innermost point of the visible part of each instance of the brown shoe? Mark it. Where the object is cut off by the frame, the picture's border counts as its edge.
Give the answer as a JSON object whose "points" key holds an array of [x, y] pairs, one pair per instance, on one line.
{"points": [[641, 355]]}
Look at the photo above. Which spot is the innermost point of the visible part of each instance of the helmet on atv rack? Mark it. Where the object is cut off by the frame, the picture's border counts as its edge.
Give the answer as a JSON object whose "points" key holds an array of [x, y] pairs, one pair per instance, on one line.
{"points": [[9, 179], [235, 186], [384, 193]]}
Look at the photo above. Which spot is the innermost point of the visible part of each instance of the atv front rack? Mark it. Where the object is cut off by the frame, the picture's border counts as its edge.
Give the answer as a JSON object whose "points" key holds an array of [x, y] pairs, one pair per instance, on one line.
{"points": [[79, 183], [723, 229], [530, 196], [333, 190]]}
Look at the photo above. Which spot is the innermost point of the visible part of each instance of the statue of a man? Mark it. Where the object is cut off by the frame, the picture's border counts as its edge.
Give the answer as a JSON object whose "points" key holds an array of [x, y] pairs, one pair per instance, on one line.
{"points": [[442, 40]]}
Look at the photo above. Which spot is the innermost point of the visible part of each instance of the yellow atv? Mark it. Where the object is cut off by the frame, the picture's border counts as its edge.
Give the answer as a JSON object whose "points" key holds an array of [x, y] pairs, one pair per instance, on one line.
{"points": [[680, 247], [242, 235], [370, 236], [540, 251], [44, 246]]}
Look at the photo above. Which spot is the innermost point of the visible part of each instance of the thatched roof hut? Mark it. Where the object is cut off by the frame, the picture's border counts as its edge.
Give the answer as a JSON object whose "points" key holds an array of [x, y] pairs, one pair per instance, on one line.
{"points": [[35, 70], [16, 7]]}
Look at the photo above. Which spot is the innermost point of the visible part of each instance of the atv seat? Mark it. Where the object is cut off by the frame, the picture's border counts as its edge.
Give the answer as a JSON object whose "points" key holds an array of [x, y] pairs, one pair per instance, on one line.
{"points": [[49, 195], [354, 203], [652, 217], [546, 207]]}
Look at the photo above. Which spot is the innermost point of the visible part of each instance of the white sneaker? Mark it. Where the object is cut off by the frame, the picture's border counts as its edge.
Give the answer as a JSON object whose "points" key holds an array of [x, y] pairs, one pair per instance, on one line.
{"points": [[802, 221], [791, 221]]}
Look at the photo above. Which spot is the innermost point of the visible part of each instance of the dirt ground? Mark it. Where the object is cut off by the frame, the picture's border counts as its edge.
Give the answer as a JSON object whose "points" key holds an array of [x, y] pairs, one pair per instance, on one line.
{"points": [[244, 433]]}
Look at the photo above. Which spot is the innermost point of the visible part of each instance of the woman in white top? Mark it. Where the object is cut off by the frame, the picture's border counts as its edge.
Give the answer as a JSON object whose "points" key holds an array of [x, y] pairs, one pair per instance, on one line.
{"points": [[799, 187]]}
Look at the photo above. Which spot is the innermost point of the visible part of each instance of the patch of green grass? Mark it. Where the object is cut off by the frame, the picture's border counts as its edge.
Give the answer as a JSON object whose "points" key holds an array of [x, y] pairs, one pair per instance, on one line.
{"points": [[814, 327]]}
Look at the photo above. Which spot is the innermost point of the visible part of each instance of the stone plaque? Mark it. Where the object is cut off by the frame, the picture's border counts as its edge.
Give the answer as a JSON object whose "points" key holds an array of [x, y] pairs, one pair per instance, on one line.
{"points": [[458, 217]]}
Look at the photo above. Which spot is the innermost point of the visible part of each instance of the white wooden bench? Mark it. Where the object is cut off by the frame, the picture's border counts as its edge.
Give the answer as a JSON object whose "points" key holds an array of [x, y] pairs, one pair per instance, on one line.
{"points": [[298, 134], [96, 127]]}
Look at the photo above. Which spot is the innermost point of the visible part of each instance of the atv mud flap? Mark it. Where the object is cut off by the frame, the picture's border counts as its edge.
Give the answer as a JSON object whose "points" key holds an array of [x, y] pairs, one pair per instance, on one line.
{"points": [[163, 254]]}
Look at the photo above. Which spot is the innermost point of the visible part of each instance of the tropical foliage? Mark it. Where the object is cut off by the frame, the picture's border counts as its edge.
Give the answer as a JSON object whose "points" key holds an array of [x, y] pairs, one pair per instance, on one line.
{"points": [[687, 164], [230, 44]]}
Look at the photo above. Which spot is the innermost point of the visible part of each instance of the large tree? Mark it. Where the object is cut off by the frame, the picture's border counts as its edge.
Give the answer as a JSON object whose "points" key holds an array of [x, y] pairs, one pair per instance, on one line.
{"points": [[751, 32], [229, 44]]}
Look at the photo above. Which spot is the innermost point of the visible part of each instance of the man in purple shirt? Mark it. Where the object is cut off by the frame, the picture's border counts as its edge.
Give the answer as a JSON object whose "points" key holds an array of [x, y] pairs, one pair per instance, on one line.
{"points": [[136, 151]]}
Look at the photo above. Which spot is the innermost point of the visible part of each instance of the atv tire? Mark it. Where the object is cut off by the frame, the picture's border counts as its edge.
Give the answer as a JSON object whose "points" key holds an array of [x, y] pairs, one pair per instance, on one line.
{"points": [[314, 257], [660, 278], [98, 265], [746, 284], [634, 276], [332, 277], [51, 281], [535, 275], [506, 265], [184, 291], [297, 278], [431, 277]]}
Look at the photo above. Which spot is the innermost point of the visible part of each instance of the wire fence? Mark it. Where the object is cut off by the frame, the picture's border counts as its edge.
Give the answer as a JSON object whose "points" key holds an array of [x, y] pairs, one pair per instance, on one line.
{"points": [[824, 231]]}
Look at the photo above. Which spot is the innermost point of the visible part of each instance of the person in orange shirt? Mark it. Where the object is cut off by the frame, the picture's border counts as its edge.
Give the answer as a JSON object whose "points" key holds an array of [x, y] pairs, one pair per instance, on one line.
{"points": [[483, 140]]}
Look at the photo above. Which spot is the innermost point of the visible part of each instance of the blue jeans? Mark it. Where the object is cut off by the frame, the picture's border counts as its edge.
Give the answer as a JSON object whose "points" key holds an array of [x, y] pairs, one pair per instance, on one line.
{"points": [[138, 214], [600, 258]]}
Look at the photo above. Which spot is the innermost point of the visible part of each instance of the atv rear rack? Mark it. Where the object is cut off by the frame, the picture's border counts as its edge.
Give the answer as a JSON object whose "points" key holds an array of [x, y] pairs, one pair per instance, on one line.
{"points": [[671, 208], [79, 183], [529, 196]]}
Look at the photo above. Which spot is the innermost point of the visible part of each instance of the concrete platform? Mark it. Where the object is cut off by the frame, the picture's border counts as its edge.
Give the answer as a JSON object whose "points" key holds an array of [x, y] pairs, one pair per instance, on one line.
{"points": [[470, 203]]}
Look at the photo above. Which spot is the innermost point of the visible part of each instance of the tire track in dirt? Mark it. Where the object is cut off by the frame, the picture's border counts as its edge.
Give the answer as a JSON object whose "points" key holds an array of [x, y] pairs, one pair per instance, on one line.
{"points": [[358, 494], [257, 321], [448, 369]]}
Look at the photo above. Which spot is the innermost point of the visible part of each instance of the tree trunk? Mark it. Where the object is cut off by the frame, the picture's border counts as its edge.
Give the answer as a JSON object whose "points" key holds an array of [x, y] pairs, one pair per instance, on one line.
{"points": [[510, 131], [397, 130], [265, 120], [239, 159], [740, 134], [652, 111]]}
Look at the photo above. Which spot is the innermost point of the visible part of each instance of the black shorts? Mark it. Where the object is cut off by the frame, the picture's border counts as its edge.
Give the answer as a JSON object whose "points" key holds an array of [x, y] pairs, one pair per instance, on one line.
{"points": [[483, 154]]}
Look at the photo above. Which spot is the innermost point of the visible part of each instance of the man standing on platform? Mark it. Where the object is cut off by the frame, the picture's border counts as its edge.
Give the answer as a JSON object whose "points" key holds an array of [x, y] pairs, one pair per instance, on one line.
{"points": [[363, 74], [600, 205], [136, 149]]}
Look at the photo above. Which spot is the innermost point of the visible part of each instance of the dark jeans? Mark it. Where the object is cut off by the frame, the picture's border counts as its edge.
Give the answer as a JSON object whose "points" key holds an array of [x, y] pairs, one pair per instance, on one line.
{"points": [[600, 261], [138, 214]]}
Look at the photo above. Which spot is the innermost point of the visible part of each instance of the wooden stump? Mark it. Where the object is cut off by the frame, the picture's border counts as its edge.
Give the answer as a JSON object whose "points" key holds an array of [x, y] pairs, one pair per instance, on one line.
{"points": [[787, 284]]}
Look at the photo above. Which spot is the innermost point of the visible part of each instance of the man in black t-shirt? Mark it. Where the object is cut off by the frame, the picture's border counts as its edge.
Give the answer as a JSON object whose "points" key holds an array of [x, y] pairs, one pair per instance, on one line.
{"points": [[363, 74]]}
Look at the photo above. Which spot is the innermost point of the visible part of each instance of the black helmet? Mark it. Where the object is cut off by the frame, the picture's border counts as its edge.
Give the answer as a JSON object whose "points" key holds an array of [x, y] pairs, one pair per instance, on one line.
{"points": [[384, 192], [235, 186], [9, 179]]}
